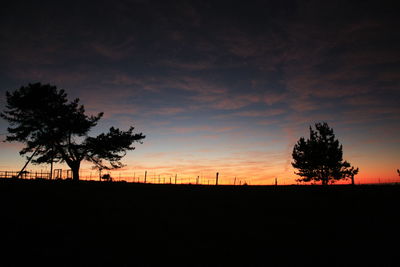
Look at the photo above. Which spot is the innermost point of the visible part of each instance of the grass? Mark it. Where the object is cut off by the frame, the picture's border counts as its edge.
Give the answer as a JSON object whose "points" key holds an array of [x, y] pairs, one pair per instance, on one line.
{"points": [[62, 223]]}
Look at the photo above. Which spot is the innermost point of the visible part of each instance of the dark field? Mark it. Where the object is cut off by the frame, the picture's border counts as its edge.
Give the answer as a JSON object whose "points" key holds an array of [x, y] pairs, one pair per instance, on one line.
{"points": [[61, 223]]}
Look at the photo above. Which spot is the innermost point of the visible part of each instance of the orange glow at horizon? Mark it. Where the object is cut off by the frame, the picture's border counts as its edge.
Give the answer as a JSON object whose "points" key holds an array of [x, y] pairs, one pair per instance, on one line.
{"points": [[214, 89], [195, 174], [256, 161]]}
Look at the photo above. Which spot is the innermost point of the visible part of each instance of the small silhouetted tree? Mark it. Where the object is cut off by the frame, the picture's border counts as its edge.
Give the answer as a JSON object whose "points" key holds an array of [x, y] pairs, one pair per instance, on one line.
{"points": [[320, 158], [106, 177], [56, 130]]}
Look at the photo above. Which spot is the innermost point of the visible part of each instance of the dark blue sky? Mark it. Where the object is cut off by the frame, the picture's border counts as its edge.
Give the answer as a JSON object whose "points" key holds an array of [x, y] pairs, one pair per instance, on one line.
{"points": [[223, 86]]}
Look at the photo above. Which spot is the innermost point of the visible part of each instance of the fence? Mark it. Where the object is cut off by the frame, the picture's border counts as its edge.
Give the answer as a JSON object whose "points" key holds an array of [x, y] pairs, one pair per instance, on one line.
{"points": [[153, 178], [143, 178], [57, 174], [25, 174]]}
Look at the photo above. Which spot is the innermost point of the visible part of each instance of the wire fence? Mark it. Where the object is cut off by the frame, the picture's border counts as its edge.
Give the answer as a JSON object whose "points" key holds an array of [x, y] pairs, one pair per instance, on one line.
{"points": [[144, 177], [25, 175], [153, 178]]}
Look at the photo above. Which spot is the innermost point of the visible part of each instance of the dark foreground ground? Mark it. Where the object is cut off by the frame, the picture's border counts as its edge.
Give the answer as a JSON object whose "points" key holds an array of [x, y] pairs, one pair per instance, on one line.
{"points": [[61, 223]]}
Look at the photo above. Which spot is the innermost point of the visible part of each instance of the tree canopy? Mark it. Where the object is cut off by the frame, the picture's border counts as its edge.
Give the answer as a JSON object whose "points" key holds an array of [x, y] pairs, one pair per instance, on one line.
{"points": [[320, 158], [56, 130]]}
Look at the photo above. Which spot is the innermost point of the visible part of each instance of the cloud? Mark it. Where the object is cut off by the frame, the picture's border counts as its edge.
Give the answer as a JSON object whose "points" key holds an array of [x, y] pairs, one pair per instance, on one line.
{"points": [[189, 66], [52, 76], [168, 111], [115, 51], [263, 113], [204, 128], [261, 66], [233, 102]]}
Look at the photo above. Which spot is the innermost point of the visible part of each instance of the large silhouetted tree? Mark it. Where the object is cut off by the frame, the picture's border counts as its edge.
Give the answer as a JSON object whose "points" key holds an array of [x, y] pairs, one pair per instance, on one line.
{"points": [[56, 130], [320, 158]]}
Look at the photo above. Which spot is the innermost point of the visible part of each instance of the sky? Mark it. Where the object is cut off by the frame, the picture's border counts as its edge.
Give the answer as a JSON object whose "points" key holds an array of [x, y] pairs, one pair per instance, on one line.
{"points": [[216, 86]]}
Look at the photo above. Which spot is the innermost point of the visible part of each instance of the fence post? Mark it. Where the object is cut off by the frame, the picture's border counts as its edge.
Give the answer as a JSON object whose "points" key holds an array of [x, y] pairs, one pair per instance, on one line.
{"points": [[51, 170], [145, 176], [216, 179]]}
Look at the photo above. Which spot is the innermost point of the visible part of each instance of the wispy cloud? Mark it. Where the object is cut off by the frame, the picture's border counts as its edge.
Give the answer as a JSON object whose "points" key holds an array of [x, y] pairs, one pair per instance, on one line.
{"points": [[263, 113], [200, 77], [115, 51], [203, 128]]}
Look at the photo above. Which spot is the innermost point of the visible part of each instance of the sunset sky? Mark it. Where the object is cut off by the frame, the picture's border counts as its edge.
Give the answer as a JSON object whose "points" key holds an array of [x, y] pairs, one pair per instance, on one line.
{"points": [[216, 86]]}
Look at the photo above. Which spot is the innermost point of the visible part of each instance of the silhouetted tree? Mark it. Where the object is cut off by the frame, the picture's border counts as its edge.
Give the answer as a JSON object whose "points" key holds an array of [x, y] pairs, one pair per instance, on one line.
{"points": [[320, 158], [398, 172], [56, 130], [106, 177]]}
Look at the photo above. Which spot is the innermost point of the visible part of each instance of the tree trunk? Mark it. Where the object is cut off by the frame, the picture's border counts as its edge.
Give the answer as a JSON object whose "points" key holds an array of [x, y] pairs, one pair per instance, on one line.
{"points": [[75, 174], [75, 170]]}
